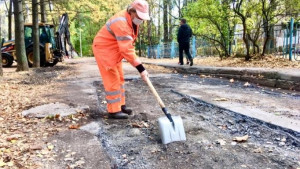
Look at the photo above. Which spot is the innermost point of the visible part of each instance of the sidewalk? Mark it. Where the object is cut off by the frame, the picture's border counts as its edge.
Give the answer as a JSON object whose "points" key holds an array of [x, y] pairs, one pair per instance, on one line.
{"points": [[278, 78]]}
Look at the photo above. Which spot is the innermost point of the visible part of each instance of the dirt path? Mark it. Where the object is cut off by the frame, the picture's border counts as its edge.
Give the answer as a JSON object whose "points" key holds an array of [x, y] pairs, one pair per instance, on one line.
{"points": [[206, 126], [125, 145]]}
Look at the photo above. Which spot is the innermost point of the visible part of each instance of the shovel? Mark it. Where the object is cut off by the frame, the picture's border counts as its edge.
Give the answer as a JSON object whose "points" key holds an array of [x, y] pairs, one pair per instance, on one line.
{"points": [[170, 127]]}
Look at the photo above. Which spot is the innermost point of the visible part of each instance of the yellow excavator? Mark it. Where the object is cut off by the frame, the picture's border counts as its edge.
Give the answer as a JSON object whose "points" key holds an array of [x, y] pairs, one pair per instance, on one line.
{"points": [[52, 46]]}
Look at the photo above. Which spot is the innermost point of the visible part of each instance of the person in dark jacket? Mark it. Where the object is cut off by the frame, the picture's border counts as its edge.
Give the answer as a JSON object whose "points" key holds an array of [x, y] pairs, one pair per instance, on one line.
{"points": [[183, 38]]}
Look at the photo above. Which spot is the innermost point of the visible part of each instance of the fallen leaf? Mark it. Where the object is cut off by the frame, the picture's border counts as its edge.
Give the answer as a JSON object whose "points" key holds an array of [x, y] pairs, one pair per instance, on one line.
{"points": [[74, 126], [45, 152], [221, 99], [154, 151], [10, 164], [50, 117], [247, 84], [40, 155], [2, 164], [50, 147], [68, 155], [136, 125], [79, 163], [241, 139], [145, 124], [69, 159], [259, 150], [231, 80], [13, 137], [13, 141], [221, 142], [57, 116]]}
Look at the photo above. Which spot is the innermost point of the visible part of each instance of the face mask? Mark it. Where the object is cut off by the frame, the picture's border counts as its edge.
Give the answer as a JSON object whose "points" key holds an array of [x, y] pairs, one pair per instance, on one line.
{"points": [[137, 21]]}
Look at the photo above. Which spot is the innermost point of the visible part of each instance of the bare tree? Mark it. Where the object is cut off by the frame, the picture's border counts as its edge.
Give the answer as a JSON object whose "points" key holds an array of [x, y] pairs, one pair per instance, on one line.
{"points": [[238, 10], [43, 11], [158, 32], [19, 36], [268, 13], [1, 70], [149, 24], [170, 5], [36, 34], [10, 20], [165, 20]]}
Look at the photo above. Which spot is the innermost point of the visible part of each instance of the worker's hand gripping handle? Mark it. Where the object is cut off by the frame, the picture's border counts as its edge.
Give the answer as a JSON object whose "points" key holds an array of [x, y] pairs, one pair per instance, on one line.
{"points": [[161, 103]]}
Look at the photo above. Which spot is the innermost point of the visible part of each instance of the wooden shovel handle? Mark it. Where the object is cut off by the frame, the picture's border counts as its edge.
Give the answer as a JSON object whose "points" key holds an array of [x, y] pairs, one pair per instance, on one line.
{"points": [[161, 103]]}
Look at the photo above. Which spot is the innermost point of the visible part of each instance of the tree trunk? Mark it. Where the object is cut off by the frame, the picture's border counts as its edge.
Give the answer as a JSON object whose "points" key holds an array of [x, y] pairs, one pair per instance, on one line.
{"points": [[43, 11], [246, 41], [170, 22], [26, 12], [165, 20], [149, 24], [179, 9], [267, 40], [9, 20], [158, 29], [1, 70], [19, 37], [266, 43], [35, 34]]}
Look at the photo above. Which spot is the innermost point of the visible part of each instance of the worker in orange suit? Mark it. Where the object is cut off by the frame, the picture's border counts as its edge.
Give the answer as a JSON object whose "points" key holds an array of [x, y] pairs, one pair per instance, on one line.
{"points": [[114, 42]]}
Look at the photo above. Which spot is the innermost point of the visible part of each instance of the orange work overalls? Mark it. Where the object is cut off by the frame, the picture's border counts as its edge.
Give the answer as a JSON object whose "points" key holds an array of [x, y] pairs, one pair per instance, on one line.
{"points": [[112, 43]]}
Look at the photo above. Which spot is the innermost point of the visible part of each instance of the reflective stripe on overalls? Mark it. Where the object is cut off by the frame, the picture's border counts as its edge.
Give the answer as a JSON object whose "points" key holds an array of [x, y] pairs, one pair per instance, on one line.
{"points": [[120, 94], [118, 38]]}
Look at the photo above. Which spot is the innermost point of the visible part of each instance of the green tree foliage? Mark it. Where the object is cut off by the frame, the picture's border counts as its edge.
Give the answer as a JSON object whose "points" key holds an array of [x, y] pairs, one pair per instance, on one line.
{"points": [[211, 20], [216, 21], [87, 16]]}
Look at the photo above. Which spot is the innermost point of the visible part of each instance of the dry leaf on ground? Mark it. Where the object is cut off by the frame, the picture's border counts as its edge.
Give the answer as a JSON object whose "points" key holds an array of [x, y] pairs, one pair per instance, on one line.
{"points": [[221, 99], [247, 84], [136, 125], [221, 142], [259, 150], [241, 139], [74, 126], [145, 124]]}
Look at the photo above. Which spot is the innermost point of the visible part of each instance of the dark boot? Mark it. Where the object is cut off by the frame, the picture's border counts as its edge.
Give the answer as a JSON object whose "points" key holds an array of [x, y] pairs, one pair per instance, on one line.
{"points": [[191, 62], [125, 110], [118, 115]]}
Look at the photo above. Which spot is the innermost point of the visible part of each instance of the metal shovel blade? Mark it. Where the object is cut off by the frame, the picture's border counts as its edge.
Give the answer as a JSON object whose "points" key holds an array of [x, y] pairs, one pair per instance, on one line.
{"points": [[169, 133]]}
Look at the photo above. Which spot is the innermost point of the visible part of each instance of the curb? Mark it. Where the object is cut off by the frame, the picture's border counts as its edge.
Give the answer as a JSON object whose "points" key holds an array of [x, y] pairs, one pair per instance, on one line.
{"points": [[269, 78]]}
